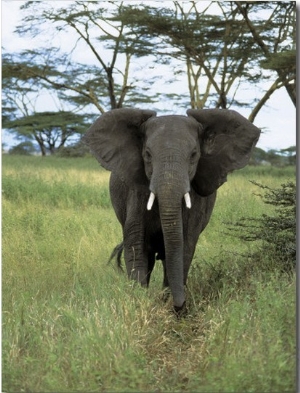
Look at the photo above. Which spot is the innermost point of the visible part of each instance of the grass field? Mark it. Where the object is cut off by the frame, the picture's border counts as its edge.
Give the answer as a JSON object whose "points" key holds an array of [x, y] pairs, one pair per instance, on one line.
{"points": [[72, 323]]}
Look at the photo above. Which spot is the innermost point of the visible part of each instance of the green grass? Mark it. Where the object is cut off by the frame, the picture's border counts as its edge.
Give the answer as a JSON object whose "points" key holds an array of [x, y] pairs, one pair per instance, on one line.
{"points": [[73, 323]]}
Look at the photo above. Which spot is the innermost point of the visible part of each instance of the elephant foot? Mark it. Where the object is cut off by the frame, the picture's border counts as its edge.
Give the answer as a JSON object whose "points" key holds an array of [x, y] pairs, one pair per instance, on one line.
{"points": [[181, 311]]}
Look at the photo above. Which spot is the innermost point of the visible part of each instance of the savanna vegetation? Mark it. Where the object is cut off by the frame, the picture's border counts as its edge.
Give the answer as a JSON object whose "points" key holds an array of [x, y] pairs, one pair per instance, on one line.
{"points": [[73, 323]]}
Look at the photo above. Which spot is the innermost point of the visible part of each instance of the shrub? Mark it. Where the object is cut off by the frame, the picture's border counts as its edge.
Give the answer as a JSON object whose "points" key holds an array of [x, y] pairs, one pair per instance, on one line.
{"points": [[76, 150], [24, 148], [276, 232]]}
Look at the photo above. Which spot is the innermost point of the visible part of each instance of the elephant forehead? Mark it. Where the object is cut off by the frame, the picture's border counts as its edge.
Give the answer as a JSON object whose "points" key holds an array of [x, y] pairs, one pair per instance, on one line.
{"points": [[171, 127]]}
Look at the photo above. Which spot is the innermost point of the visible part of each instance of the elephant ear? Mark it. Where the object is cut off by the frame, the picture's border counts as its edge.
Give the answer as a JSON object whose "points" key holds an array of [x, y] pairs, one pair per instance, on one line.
{"points": [[227, 140], [116, 140]]}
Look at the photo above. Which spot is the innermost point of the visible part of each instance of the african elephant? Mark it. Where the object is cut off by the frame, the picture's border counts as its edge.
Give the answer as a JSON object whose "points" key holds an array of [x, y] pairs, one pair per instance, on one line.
{"points": [[165, 173]]}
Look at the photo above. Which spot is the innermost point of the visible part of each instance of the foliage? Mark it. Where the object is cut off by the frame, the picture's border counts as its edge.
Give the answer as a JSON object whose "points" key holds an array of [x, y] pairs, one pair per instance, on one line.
{"points": [[283, 157], [219, 50], [211, 46], [276, 38], [24, 148], [77, 149], [73, 323], [222, 46], [277, 231], [106, 83], [51, 130]]}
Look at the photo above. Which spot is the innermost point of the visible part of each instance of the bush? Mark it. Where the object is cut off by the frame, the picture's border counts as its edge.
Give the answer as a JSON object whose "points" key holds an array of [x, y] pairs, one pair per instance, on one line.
{"points": [[277, 232], [24, 148], [76, 150]]}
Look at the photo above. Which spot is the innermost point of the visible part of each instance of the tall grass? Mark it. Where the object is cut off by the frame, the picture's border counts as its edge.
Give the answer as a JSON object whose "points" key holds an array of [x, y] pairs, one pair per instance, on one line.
{"points": [[73, 323]]}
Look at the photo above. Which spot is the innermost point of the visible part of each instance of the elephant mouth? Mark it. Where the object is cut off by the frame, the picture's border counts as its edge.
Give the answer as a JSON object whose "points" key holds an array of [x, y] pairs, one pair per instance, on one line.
{"points": [[186, 196]]}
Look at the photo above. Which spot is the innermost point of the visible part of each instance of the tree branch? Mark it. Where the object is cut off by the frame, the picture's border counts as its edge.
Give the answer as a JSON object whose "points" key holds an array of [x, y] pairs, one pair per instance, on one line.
{"points": [[275, 86]]}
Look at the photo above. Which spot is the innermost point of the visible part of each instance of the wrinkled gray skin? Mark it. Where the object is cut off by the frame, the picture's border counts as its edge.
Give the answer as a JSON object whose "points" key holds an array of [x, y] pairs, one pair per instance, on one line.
{"points": [[168, 156]]}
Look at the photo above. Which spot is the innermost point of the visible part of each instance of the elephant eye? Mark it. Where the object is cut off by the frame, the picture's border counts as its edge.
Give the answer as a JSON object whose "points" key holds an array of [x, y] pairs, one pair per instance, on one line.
{"points": [[194, 156], [147, 156]]}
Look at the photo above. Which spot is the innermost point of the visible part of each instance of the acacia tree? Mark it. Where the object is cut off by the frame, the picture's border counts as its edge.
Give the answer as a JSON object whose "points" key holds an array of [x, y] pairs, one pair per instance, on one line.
{"points": [[79, 86], [20, 92], [106, 83], [211, 46], [51, 130], [276, 38], [215, 53], [220, 51]]}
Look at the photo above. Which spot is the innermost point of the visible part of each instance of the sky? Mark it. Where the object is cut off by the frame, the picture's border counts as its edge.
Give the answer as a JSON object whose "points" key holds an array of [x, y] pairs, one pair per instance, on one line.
{"points": [[277, 119]]}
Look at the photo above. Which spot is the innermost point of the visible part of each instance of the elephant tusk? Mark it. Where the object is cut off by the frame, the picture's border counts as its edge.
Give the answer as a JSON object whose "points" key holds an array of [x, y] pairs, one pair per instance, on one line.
{"points": [[187, 199], [150, 201]]}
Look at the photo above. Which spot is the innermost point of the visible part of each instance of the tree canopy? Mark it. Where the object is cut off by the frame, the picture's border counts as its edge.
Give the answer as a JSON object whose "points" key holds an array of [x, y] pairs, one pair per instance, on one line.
{"points": [[117, 50], [50, 130]]}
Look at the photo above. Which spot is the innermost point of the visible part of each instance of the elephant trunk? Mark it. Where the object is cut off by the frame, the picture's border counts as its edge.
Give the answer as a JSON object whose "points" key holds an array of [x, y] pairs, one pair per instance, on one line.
{"points": [[170, 184], [171, 221], [170, 195]]}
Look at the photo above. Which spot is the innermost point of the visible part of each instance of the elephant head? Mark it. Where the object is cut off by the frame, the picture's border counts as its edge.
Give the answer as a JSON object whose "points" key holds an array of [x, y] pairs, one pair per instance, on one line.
{"points": [[168, 157]]}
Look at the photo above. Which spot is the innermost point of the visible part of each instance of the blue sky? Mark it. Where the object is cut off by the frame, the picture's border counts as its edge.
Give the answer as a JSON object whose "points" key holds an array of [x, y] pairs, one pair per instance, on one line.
{"points": [[277, 118]]}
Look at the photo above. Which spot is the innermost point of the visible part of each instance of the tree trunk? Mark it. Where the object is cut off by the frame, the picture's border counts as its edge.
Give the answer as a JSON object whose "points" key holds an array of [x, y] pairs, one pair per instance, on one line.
{"points": [[41, 144], [111, 88]]}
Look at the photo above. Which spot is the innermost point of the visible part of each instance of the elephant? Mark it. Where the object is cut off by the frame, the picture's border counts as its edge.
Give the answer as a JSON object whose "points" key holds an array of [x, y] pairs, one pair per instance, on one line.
{"points": [[165, 172]]}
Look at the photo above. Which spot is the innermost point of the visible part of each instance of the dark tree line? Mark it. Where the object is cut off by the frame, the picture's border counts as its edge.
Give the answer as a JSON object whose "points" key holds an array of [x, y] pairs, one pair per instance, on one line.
{"points": [[272, 157], [219, 49]]}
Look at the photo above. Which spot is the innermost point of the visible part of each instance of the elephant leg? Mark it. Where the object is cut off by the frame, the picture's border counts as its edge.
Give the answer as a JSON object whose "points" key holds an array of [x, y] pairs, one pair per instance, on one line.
{"points": [[194, 223], [151, 263], [186, 267], [135, 253], [165, 280], [189, 251], [136, 265]]}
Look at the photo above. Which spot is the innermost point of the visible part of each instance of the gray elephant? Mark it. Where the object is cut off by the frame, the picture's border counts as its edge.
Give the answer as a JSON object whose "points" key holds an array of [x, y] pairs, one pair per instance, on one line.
{"points": [[165, 173]]}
